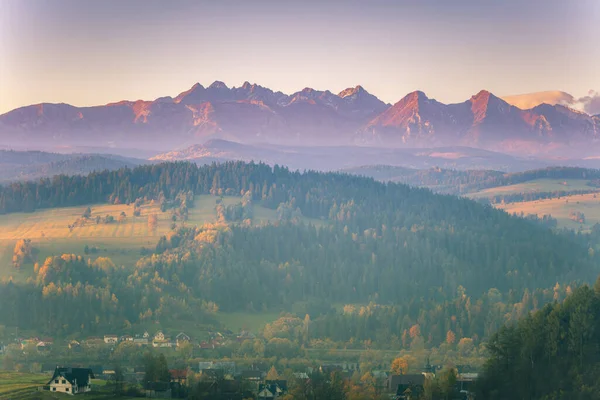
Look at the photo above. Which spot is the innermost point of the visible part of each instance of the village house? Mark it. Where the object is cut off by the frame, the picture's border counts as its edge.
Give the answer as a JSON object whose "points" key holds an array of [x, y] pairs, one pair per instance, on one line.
{"points": [[272, 389], [44, 345], [281, 385], [301, 376], [74, 345], [406, 387], [160, 340], [205, 345], [465, 383], [111, 339], [227, 366], [94, 340], [140, 341], [245, 335], [178, 376], [252, 375], [163, 344], [29, 342], [182, 338], [70, 380], [146, 335], [126, 338]]}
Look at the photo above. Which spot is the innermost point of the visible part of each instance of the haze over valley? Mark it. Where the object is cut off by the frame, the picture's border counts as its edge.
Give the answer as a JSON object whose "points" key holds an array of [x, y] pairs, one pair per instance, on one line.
{"points": [[357, 200]]}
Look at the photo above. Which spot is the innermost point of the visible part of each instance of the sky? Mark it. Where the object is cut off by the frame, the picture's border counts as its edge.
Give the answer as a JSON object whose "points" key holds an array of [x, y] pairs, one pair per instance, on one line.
{"points": [[99, 51]]}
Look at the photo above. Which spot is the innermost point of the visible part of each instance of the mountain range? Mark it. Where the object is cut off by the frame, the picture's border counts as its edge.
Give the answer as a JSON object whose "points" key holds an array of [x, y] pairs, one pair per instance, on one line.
{"points": [[252, 114]]}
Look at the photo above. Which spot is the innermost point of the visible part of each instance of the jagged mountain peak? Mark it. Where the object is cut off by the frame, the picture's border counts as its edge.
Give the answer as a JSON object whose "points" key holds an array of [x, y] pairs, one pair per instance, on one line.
{"points": [[351, 91], [218, 85], [482, 95], [197, 87], [412, 98]]}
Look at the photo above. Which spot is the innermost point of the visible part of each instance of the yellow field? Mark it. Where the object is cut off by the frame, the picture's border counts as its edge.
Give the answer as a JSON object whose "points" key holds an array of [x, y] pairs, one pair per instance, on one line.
{"points": [[121, 241], [537, 185], [589, 204]]}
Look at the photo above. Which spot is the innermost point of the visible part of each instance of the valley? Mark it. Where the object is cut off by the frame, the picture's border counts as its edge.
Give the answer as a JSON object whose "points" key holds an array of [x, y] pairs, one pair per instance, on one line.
{"points": [[299, 200]]}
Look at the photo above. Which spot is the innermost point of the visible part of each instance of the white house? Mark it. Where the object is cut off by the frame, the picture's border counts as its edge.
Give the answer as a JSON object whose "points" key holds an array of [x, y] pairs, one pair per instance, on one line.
{"points": [[71, 380], [159, 336], [111, 339]]}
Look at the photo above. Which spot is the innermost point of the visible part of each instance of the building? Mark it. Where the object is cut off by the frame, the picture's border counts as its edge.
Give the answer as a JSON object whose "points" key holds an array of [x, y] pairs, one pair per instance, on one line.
{"points": [[126, 338], [141, 341], [281, 384], [94, 340], [245, 335], [70, 380], [252, 375], [163, 343], [406, 387], [29, 342], [465, 383], [159, 336], [178, 376], [111, 339], [270, 391], [74, 345], [303, 376], [44, 345], [182, 338], [228, 367]]}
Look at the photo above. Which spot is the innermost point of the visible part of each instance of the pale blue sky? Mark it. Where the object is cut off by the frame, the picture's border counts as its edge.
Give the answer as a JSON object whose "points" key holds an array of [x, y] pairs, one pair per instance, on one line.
{"points": [[94, 52]]}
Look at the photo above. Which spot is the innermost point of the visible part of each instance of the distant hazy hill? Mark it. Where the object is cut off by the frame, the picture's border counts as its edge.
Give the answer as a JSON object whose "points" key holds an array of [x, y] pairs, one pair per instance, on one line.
{"points": [[463, 182], [31, 165], [335, 158]]}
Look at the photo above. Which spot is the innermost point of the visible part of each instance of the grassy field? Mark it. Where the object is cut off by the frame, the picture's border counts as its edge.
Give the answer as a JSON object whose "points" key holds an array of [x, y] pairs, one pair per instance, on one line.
{"points": [[589, 204], [121, 241], [537, 185], [16, 385], [23, 386], [252, 322]]}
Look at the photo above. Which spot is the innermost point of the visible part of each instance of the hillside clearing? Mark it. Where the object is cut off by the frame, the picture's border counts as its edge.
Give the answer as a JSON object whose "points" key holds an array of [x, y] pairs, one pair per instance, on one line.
{"points": [[589, 204], [121, 241], [535, 186]]}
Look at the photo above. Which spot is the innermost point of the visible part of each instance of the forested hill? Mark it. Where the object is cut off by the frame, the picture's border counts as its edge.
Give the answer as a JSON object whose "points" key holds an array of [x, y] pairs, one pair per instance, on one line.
{"points": [[438, 261], [461, 182], [33, 165], [552, 354]]}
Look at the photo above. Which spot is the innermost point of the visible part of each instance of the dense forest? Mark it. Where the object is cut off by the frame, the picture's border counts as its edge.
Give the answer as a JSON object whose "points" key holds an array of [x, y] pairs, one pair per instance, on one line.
{"points": [[409, 267], [551, 354]]}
